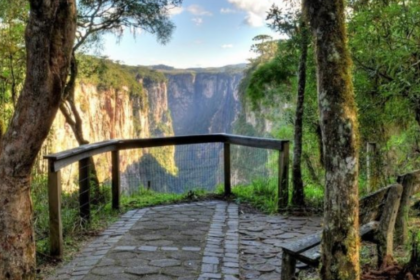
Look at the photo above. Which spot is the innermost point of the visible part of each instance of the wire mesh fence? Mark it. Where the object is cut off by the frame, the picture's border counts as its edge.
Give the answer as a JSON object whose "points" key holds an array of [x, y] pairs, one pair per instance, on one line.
{"points": [[169, 169], [175, 169], [250, 165], [75, 212], [86, 185], [176, 165]]}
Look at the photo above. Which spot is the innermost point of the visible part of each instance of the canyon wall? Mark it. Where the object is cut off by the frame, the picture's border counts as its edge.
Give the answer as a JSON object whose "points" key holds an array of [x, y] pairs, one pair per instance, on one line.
{"points": [[116, 113], [168, 102], [202, 102]]}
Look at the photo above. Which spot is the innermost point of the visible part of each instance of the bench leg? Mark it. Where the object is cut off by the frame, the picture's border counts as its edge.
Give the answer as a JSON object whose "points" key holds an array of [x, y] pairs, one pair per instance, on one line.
{"points": [[385, 233], [288, 267]]}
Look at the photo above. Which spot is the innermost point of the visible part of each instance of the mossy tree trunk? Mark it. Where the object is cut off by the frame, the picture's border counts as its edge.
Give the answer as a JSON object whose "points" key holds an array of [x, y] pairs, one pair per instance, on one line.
{"points": [[340, 239], [298, 196], [49, 40]]}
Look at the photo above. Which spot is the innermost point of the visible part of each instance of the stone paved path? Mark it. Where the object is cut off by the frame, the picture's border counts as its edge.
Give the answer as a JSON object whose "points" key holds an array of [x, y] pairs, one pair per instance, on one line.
{"points": [[261, 237], [203, 240]]}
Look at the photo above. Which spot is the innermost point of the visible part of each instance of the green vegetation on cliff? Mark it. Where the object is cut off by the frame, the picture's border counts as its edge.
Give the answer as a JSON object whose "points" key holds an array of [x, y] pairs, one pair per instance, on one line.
{"points": [[107, 74]]}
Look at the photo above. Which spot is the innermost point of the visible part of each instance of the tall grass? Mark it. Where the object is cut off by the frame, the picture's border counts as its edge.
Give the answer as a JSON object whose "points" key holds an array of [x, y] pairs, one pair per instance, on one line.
{"points": [[74, 229], [262, 194]]}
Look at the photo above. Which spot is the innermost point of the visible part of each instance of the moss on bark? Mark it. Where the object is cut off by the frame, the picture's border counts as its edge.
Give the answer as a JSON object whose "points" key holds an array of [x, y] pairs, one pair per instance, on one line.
{"points": [[340, 246]]}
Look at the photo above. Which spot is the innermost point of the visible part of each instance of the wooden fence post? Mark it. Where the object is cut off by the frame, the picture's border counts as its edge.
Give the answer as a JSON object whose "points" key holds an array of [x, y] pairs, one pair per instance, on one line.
{"points": [[226, 149], [283, 174], [116, 185], [84, 189], [54, 205]]}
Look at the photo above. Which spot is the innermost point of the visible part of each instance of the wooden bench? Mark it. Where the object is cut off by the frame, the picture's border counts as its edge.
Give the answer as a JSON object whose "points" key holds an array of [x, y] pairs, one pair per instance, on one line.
{"points": [[377, 216], [411, 186]]}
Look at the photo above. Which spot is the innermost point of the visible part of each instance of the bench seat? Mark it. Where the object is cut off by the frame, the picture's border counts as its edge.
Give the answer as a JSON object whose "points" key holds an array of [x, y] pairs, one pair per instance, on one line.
{"points": [[377, 216], [307, 249]]}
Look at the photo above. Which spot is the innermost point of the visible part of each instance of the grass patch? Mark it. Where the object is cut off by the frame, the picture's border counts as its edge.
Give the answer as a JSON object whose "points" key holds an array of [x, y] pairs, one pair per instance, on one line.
{"points": [[262, 195], [314, 196], [146, 198]]}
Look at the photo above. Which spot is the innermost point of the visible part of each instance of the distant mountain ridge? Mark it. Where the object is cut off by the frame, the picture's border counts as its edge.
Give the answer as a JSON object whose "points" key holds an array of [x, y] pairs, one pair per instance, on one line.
{"points": [[227, 68]]}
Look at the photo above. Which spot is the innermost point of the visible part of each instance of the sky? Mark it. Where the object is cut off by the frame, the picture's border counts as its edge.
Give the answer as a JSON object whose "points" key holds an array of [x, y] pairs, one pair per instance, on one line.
{"points": [[209, 33]]}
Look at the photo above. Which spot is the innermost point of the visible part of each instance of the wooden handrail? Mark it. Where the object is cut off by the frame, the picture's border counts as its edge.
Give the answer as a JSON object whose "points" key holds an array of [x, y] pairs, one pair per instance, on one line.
{"points": [[68, 157], [83, 154], [62, 159]]}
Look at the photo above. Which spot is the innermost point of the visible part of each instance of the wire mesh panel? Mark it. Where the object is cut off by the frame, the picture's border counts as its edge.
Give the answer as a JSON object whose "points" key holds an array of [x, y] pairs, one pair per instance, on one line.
{"points": [[175, 169], [86, 188], [250, 165]]}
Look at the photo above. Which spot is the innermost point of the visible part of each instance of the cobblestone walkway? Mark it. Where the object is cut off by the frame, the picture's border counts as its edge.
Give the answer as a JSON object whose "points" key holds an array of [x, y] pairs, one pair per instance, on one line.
{"points": [[261, 237], [203, 240]]}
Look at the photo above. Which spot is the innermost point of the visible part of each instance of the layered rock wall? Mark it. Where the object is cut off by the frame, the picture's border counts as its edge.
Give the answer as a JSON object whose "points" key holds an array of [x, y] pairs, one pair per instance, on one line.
{"points": [[181, 103]]}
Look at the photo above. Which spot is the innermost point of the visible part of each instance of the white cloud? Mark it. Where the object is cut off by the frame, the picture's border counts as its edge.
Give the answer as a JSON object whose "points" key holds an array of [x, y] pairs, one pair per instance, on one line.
{"points": [[257, 10], [228, 11], [198, 21], [254, 20], [172, 11], [227, 46], [197, 10]]}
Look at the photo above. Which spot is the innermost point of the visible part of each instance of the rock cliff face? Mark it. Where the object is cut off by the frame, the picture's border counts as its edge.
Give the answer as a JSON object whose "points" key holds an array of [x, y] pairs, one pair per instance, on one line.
{"points": [[203, 102], [178, 103], [117, 114]]}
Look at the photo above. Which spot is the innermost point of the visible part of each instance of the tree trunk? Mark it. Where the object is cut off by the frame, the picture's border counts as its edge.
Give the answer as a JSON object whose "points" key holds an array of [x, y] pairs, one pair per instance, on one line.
{"points": [[372, 167], [298, 197], [70, 112], [318, 133], [49, 41], [68, 107], [417, 110], [340, 239], [312, 172]]}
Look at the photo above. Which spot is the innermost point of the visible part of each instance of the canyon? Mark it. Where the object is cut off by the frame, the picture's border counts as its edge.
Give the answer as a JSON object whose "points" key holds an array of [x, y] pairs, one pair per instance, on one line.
{"points": [[155, 102]]}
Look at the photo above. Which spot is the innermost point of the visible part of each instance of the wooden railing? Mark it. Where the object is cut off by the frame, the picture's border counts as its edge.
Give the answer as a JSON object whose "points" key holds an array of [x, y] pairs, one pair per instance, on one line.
{"points": [[83, 154]]}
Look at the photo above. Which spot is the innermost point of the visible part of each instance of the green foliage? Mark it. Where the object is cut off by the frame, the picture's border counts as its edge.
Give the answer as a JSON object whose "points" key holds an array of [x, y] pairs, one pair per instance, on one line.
{"points": [[145, 73], [107, 75], [265, 47], [114, 16], [270, 86], [269, 78], [145, 198], [74, 229], [262, 194], [13, 16], [384, 42], [314, 195]]}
